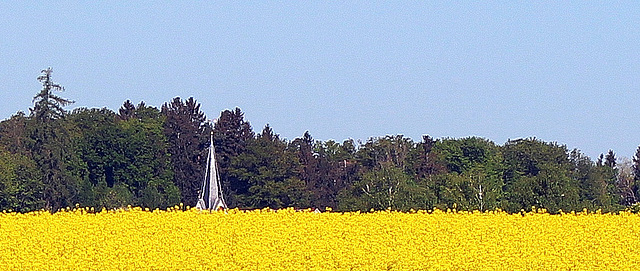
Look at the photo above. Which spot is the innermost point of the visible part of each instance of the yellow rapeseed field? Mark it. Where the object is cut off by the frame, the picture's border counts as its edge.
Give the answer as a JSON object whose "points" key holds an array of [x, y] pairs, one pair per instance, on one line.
{"points": [[175, 239]]}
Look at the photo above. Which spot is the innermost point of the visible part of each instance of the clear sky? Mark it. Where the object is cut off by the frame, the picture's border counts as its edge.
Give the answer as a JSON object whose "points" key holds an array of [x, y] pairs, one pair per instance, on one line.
{"points": [[564, 71]]}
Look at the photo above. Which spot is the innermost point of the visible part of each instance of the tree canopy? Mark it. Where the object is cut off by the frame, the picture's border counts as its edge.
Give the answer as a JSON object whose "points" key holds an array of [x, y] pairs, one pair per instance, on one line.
{"points": [[145, 156]]}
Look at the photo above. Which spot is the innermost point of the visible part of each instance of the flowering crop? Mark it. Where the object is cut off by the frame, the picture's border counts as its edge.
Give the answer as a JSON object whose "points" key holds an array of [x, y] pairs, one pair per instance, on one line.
{"points": [[177, 239]]}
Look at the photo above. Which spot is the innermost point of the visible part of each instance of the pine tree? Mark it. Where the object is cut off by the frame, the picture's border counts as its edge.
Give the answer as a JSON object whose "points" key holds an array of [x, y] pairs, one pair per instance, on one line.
{"points": [[303, 147], [610, 159], [600, 159], [127, 110], [48, 106], [322, 175], [51, 144], [186, 131], [231, 135], [270, 170]]}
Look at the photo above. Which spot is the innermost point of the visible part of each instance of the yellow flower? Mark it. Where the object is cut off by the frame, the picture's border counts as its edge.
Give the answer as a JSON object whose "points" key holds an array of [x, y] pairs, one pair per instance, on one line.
{"points": [[190, 239]]}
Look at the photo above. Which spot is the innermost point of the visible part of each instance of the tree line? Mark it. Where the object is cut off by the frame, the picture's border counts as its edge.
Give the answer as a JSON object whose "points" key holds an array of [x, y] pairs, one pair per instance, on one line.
{"points": [[155, 157]]}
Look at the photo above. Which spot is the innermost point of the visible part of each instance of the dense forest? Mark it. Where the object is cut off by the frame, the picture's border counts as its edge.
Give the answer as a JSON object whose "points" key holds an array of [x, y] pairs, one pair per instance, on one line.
{"points": [[154, 157]]}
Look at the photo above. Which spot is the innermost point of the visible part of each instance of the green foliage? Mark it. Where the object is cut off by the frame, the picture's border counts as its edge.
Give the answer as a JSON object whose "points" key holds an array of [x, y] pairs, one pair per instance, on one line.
{"points": [[270, 170], [383, 180], [538, 174], [389, 149], [48, 106], [461, 155], [21, 187], [99, 143], [232, 134], [116, 196], [125, 159], [50, 145], [385, 187], [326, 168], [155, 158], [636, 165], [474, 181], [597, 182], [147, 169], [336, 171], [423, 162], [14, 134], [187, 134], [626, 185]]}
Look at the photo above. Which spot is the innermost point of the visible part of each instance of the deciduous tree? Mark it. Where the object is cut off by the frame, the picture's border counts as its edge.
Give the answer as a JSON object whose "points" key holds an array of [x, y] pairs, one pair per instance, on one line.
{"points": [[537, 173]]}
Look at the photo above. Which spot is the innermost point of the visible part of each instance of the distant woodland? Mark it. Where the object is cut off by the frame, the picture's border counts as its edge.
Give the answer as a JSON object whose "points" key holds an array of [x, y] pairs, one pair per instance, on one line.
{"points": [[153, 157]]}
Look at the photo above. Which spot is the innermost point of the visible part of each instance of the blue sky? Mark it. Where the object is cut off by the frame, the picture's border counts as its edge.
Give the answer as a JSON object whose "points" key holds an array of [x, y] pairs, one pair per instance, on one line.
{"points": [[565, 71]]}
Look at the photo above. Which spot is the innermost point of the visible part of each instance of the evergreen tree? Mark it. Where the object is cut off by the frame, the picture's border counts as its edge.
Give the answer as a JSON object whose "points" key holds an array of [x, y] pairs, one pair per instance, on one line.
{"points": [[324, 167], [187, 134], [423, 160], [48, 106], [127, 110], [309, 171], [610, 159], [425, 167], [611, 176], [270, 170], [50, 144], [599, 162], [231, 134]]}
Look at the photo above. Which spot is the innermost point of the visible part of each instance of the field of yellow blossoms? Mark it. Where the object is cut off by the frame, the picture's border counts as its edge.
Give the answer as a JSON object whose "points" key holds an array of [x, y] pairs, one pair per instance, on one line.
{"points": [[175, 239]]}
